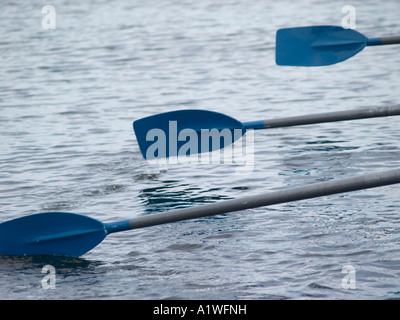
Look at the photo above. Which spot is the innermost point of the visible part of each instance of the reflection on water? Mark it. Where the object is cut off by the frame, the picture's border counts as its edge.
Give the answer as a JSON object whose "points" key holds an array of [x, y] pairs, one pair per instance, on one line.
{"points": [[172, 195]]}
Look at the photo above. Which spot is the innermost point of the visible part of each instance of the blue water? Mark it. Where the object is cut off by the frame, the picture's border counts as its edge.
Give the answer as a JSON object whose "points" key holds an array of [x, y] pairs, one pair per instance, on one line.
{"points": [[68, 98]]}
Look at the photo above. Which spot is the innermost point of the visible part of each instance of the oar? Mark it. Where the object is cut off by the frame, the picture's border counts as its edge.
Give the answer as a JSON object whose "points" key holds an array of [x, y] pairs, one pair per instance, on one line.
{"points": [[184, 132], [70, 234], [322, 45]]}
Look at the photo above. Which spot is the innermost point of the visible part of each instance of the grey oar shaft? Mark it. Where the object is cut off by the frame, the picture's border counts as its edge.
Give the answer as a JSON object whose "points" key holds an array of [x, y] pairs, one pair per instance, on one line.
{"points": [[390, 40], [373, 112], [288, 195]]}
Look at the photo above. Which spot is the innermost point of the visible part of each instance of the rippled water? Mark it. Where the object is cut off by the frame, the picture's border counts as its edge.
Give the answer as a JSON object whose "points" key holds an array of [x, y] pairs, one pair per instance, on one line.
{"points": [[68, 98]]}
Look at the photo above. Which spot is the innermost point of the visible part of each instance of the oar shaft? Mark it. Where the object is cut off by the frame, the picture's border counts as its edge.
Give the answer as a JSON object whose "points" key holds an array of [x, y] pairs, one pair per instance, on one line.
{"points": [[383, 41], [355, 114], [283, 196]]}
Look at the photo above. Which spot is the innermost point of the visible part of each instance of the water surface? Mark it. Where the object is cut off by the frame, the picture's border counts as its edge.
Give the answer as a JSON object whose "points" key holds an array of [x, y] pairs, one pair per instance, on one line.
{"points": [[68, 98]]}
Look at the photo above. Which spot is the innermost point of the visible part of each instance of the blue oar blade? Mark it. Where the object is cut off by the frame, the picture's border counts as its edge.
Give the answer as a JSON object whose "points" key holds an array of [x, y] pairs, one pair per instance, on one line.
{"points": [[185, 132], [317, 45], [52, 233]]}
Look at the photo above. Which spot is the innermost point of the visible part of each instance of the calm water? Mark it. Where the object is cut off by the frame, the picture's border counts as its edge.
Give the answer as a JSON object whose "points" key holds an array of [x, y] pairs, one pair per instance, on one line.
{"points": [[68, 98]]}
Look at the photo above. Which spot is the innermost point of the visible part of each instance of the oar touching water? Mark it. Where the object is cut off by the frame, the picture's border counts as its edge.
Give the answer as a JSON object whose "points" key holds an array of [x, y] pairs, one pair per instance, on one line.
{"points": [[171, 131], [71, 234]]}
